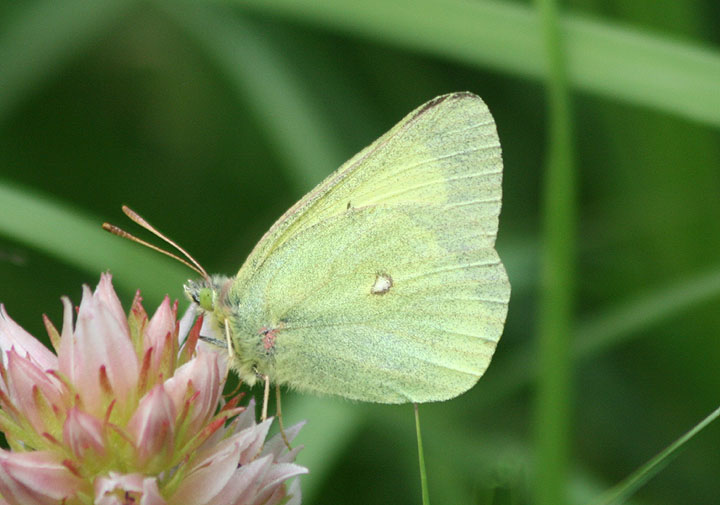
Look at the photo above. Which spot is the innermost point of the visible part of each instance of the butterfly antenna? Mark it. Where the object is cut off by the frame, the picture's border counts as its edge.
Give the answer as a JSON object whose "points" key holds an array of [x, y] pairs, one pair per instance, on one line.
{"points": [[122, 233], [136, 218]]}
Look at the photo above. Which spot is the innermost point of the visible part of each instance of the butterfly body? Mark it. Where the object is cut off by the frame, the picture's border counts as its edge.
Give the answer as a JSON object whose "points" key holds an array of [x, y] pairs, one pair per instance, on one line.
{"points": [[382, 284]]}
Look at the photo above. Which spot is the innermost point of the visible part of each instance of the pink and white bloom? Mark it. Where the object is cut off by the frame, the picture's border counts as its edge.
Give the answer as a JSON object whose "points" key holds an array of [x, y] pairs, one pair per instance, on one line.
{"points": [[129, 412]]}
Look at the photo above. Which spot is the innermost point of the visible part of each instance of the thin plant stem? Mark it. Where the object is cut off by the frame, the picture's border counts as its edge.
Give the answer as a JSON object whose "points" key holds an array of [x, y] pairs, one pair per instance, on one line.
{"points": [[421, 458], [552, 415]]}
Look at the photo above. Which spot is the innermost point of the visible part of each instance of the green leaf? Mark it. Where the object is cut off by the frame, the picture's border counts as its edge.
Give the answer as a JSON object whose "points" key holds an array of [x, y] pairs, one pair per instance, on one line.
{"points": [[77, 239], [603, 58]]}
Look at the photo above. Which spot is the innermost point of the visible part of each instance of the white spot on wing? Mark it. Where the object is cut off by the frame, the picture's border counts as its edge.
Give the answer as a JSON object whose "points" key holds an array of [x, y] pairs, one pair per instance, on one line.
{"points": [[383, 283]]}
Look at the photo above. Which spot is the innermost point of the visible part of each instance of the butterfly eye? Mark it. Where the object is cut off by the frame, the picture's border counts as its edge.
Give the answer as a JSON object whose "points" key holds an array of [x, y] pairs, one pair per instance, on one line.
{"points": [[204, 298]]}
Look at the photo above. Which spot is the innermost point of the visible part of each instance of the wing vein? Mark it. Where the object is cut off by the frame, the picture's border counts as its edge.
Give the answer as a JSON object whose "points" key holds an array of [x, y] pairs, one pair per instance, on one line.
{"points": [[409, 189], [451, 268], [471, 127], [472, 202]]}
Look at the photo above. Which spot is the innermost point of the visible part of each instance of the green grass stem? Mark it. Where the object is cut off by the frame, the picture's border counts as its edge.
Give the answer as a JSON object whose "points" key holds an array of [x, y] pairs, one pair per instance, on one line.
{"points": [[421, 458], [557, 283]]}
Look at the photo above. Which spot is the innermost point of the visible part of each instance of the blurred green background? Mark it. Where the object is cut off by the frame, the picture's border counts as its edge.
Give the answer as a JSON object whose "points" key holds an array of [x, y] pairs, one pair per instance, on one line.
{"points": [[211, 118]]}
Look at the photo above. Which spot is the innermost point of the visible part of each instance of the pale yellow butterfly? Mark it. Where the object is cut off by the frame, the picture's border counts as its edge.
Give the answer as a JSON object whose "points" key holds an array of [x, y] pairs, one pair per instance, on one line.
{"points": [[382, 284]]}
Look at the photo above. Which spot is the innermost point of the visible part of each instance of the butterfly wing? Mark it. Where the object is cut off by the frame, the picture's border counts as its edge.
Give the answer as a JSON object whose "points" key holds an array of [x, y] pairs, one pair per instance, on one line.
{"points": [[446, 149], [382, 284]]}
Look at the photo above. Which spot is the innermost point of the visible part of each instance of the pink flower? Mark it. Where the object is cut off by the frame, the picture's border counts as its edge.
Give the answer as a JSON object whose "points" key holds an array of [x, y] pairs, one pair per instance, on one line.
{"points": [[129, 411]]}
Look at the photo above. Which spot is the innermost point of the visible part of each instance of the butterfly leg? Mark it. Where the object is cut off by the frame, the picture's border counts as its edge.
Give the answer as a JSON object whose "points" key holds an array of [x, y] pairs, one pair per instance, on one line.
{"points": [[229, 343], [278, 414], [230, 350], [266, 397]]}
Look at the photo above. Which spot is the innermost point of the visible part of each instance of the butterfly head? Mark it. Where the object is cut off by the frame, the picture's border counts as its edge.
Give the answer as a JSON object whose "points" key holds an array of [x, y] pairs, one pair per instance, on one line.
{"points": [[205, 293], [208, 294]]}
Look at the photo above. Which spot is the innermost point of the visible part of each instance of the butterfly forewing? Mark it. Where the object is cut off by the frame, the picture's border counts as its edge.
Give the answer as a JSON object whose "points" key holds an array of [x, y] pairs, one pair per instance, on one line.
{"points": [[445, 151]]}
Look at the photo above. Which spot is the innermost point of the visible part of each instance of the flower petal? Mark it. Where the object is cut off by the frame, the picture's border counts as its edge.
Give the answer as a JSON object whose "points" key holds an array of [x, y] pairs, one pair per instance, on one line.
{"points": [[13, 335], [187, 321], [115, 489], [256, 439], [151, 493], [35, 478], [82, 431], [161, 324], [250, 439], [23, 377], [276, 445], [153, 426], [294, 493], [246, 419], [244, 482], [112, 488], [99, 340], [275, 477], [203, 373], [210, 475], [70, 357], [105, 294]]}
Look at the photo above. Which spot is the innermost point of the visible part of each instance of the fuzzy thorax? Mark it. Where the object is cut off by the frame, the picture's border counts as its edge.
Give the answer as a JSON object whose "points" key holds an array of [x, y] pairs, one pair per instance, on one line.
{"points": [[212, 298]]}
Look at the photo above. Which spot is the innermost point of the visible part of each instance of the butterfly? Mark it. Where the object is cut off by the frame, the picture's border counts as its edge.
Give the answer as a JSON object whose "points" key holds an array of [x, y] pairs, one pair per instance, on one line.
{"points": [[382, 284]]}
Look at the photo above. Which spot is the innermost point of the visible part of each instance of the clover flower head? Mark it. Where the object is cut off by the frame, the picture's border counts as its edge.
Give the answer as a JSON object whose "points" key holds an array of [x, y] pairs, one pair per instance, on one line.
{"points": [[129, 410]]}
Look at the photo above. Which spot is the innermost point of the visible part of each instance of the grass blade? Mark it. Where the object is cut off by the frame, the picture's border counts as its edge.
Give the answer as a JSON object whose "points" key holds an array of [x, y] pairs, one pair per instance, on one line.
{"points": [[77, 239], [620, 493], [605, 59], [555, 321]]}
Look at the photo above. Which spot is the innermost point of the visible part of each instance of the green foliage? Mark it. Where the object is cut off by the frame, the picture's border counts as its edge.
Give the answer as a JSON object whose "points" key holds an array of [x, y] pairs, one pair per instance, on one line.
{"points": [[211, 118]]}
